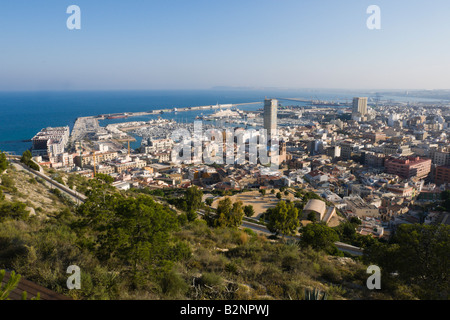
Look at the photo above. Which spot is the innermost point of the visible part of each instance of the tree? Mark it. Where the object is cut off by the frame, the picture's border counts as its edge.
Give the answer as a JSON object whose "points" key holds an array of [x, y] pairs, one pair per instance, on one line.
{"points": [[3, 162], [12, 283], [209, 201], [249, 211], [105, 178], [262, 191], [8, 287], [319, 237], [283, 219], [26, 157], [278, 196], [193, 198], [272, 191], [229, 214], [445, 197], [138, 233], [312, 217], [286, 193], [419, 254]]}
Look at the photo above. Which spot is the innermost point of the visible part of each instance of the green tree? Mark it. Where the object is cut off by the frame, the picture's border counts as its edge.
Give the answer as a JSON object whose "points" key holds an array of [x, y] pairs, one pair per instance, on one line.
{"points": [[263, 192], [193, 198], [319, 237], [278, 196], [13, 281], [209, 201], [26, 157], [312, 216], [139, 233], [249, 211], [272, 191], [283, 219], [3, 162], [229, 214], [445, 197], [419, 254], [10, 285], [104, 177]]}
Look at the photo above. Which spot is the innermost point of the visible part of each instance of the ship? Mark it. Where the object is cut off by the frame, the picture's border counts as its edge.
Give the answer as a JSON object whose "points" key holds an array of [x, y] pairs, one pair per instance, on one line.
{"points": [[117, 116]]}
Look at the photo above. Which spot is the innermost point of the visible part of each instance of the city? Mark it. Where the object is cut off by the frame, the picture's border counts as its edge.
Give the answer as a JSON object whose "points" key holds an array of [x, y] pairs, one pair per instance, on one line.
{"points": [[378, 163], [225, 158]]}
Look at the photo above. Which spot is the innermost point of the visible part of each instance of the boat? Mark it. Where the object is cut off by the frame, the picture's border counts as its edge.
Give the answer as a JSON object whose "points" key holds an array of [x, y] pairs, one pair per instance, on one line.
{"points": [[117, 117]]}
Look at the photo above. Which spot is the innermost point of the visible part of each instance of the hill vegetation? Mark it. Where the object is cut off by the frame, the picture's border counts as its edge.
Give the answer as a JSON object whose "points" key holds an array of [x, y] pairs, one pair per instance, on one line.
{"points": [[132, 245]]}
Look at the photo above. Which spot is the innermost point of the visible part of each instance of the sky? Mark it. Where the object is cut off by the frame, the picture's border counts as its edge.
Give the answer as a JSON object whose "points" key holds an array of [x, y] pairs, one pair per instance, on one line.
{"points": [[199, 44]]}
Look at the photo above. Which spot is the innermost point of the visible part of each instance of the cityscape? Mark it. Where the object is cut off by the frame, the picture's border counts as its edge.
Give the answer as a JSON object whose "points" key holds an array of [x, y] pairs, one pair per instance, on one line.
{"points": [[222, 192]]}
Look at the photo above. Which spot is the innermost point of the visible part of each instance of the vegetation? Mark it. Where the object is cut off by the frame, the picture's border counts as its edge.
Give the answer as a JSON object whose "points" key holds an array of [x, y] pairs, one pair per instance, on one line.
{"points": [[3, 162], [27, 159], [249, 211], [417, 256], [283, 219], [193, 198], [131, 245], [318, 236], [228, 214]]}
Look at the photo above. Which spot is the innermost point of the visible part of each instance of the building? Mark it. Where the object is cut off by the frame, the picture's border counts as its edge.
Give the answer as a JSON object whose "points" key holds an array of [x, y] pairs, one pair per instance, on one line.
{"points": [[359, 109], [348, 149], [374, 136], [374, 160], [319, 209], [270, 116], [408, 167], [89, 159], [360, 208], [442, 175], [441, 157], [155, 145], [334, 152], [50, 142]]}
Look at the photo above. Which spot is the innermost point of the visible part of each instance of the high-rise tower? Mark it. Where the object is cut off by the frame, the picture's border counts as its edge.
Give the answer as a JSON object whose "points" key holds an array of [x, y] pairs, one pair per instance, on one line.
{"points": [[359, 109], [270, 116]]}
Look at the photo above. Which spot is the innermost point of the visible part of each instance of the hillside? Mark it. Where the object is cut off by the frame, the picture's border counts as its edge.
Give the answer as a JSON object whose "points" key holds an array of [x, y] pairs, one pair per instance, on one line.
{"points": [[130, 247]]}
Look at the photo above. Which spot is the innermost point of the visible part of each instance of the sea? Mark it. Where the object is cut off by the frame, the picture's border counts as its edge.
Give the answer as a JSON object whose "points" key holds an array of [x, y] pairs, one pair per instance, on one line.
{"points": [[23, 114]]}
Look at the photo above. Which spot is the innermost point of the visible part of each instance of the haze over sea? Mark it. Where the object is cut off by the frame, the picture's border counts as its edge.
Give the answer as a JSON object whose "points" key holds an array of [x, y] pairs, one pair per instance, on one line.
{"points": [[23, 114]]}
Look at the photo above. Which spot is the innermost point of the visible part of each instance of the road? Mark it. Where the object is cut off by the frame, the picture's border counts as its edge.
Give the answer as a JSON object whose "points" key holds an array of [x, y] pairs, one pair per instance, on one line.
{"points": [[76, 196], [263, 230]]}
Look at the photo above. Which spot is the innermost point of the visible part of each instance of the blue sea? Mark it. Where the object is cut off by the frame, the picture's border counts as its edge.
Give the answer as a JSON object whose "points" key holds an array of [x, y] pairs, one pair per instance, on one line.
{"points": [[23, 114]]}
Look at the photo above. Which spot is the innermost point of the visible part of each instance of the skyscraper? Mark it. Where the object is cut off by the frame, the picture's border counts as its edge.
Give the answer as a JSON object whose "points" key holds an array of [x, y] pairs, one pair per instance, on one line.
{"points": [[270, 116], [359, 109]]}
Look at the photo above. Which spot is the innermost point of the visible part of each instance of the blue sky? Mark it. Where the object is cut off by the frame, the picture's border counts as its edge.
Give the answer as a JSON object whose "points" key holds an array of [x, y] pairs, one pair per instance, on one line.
{"points": [[196, 44]]}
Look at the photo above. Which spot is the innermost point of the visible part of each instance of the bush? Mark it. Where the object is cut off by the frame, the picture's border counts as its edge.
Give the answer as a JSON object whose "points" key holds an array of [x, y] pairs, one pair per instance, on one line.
{"points": [[172, 284], [210, 279]]}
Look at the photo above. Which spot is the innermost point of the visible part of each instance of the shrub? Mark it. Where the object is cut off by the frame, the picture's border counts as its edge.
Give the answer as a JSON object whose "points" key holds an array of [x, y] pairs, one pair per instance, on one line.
{"points": [[210, 279]]}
